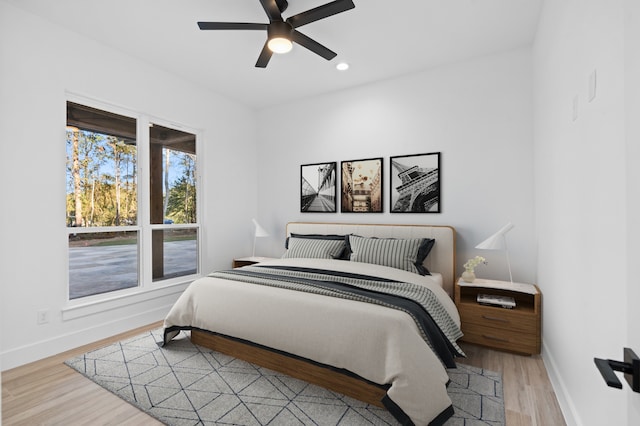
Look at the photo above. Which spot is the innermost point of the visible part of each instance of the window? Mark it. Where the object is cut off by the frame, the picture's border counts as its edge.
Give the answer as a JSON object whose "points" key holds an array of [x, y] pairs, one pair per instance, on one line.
{"points": [[172, 156], [114, 242]]}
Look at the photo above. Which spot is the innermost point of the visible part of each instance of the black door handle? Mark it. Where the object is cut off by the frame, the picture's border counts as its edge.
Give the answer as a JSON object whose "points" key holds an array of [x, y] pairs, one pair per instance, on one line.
{"points": [[630, 367]]}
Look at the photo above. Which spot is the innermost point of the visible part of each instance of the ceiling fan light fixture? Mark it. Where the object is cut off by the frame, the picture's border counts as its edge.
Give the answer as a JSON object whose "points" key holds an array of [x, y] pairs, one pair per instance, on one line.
{"points": [[282, 33], [279, 36], [280, 45]]}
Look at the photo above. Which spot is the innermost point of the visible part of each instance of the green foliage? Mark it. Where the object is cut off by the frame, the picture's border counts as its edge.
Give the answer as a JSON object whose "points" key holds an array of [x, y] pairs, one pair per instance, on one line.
{"points": [[107, 177], [181, 206]]}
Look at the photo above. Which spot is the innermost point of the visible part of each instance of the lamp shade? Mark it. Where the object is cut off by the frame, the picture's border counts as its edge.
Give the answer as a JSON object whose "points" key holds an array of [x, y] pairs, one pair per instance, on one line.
{"points": [[259, 231], [497, 240]]}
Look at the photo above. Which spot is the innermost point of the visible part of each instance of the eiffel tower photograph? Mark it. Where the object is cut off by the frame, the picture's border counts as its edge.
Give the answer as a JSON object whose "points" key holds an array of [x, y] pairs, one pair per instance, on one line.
{"points": [[415, 183]]}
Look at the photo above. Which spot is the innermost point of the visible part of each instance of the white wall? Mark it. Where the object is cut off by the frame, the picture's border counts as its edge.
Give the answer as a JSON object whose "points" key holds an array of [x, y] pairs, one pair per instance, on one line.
{"points": [[632, 117], [39, 62], [581, 216], [476, 113]]}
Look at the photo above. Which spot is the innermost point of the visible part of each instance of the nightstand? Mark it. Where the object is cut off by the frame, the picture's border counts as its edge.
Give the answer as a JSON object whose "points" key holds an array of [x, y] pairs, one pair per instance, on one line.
{"points": [[246, 261], [513, 330]]}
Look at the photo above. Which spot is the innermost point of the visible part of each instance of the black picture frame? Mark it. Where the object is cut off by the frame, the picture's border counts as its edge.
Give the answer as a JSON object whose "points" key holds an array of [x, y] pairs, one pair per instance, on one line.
{"points": [[318, 188], [361, 186], [415, 183]]}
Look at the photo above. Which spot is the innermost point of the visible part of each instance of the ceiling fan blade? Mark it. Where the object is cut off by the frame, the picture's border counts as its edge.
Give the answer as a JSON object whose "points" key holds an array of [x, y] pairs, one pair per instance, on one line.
{"points": [[264, 57], [320, 12], [282, 5], [271, 9], [231, 26], [312, 45]]}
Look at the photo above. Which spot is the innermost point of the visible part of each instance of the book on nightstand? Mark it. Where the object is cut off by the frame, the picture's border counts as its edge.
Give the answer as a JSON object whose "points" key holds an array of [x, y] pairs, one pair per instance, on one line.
{"points": [[494, 300]]}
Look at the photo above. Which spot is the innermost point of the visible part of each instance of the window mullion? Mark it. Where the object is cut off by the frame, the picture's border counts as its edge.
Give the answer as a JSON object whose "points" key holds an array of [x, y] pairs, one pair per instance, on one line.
{"points": [[143, 200]]}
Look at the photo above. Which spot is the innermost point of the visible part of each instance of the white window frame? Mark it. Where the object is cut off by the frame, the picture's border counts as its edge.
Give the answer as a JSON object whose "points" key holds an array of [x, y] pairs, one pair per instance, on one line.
{"points": [[147, 288]]}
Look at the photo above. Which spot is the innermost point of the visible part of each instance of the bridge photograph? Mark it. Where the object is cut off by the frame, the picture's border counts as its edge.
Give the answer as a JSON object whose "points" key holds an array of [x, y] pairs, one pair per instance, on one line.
{"points": [[318, 188], [415, 183]]}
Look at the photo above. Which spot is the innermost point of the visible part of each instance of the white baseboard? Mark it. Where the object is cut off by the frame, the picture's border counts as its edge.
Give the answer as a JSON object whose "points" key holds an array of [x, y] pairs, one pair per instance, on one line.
{"points": [[565, 401], [58, 344]]}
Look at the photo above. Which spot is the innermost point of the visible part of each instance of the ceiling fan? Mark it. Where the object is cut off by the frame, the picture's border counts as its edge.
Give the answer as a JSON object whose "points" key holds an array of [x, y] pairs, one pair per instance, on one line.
{"points": [[281, 33]]}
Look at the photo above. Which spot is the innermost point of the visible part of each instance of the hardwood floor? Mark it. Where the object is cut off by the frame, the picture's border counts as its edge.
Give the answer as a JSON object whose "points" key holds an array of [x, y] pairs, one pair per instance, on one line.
{"points": [[529, 398], [47, 392]]}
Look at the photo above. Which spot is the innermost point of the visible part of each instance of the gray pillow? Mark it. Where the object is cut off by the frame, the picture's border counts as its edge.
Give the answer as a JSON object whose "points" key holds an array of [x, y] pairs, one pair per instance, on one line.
{"points": [[314, 248], [405, 254], [343, 255]]}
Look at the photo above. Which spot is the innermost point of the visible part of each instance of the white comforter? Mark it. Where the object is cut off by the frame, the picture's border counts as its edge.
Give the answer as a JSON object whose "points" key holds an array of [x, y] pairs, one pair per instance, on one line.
{"points": [[380, 344]]}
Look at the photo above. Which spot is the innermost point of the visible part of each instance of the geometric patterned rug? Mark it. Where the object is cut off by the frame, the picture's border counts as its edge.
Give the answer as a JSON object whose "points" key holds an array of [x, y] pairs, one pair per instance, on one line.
{"points": [[185, 384]]}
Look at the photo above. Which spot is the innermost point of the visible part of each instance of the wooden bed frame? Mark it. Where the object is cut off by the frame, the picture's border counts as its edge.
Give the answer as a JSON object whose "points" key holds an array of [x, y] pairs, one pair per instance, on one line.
{"points": [[441, 259], [299, 368]]}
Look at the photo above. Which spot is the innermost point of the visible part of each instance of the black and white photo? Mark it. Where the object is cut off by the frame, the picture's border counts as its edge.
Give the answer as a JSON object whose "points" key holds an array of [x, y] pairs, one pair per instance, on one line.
{"points": [[318, 188], [415, 183]]}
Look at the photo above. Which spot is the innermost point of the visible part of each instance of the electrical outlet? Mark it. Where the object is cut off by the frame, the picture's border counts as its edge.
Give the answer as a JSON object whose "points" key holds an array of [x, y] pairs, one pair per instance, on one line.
{"points": [[43, 316]]}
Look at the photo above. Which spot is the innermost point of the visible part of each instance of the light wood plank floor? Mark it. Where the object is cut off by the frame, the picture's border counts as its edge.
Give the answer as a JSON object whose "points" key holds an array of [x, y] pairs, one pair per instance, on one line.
{"points": [[47, 392], [529, 399]]}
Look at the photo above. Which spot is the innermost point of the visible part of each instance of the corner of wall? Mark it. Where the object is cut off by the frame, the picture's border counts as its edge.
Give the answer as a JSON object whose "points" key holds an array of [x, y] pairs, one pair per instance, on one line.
{"points": [[565, 401]]}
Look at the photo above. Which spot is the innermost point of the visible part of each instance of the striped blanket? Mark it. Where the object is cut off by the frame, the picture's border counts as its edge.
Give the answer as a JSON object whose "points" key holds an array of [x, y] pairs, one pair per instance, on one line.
{"points": [[436, 326]]}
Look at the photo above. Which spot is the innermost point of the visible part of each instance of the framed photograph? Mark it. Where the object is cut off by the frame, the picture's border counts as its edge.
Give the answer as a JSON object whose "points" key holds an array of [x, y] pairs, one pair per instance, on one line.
{"points": [[361, 186], [318, 188], [415, 183]]}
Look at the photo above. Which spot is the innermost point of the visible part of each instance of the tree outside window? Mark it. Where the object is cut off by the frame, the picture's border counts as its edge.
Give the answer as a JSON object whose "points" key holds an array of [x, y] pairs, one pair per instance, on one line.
{"points": [[103, 217]]}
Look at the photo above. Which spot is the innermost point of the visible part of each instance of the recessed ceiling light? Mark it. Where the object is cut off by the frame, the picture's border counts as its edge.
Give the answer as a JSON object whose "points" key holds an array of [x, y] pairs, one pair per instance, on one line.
{"points": [[342, 66]]}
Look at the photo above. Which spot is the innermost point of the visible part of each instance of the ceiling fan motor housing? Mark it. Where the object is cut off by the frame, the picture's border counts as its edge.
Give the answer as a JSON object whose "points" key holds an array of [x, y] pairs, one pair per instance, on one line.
{"points": [[279, 29]]}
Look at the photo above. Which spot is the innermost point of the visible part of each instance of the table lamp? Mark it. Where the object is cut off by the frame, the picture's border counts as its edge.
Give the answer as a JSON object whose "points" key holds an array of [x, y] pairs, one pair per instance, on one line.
{"points": [[258, 232], [498, 242]]}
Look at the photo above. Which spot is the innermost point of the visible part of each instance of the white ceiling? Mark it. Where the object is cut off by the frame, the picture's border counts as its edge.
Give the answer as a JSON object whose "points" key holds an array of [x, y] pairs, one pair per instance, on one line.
{"points": [[380, 39]]}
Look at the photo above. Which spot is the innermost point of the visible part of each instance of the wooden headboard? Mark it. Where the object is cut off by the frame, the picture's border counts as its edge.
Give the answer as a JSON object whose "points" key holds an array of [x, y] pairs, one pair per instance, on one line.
{"points": [[442, 258]]}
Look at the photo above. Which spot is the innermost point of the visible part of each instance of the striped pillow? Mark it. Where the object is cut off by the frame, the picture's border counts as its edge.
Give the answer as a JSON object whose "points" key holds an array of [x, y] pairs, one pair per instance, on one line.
{"points": [[396, 253], [343, 255], [314, 248]]}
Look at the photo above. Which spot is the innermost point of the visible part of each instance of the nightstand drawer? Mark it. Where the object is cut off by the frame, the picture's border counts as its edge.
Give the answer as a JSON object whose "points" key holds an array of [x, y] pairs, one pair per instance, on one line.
{"points": [[501, 338], [499, 318]]}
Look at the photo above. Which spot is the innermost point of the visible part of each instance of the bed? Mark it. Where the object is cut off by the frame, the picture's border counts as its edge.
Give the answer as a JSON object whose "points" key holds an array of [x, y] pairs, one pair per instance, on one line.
{"points": [[345, 308]]}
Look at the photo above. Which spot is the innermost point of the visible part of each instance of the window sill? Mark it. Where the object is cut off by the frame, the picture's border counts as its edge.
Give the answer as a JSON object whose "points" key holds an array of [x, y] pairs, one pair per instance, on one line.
{"points": [[107, 303]]}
